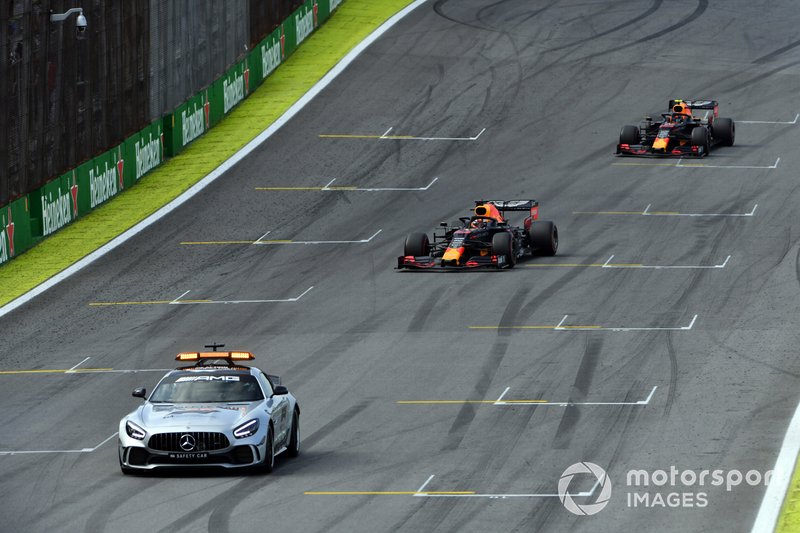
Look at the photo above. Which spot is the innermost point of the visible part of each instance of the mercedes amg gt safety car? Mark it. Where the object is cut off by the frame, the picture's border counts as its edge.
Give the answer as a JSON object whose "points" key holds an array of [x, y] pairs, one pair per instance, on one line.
{"points": [[214, 413], [684, 131], [484, 239]]}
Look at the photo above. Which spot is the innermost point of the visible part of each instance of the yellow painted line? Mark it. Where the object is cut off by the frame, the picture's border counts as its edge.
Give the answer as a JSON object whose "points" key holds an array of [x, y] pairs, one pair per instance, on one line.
{"points": [[573, 265], [606, 212], [648, 165], [381, 493], [211, 243], [535, 327], [77, 370], [336, 188], [448, 402], [154, 302], [205, 243]]}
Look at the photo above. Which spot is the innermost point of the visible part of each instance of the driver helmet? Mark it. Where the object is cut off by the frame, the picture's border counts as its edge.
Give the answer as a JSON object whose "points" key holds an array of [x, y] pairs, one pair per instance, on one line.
{"points": [[477, 223]]}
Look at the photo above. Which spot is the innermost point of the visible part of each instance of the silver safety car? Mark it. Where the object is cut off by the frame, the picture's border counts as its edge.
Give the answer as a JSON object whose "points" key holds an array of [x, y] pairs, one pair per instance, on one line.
{"points": [[214, 413]]}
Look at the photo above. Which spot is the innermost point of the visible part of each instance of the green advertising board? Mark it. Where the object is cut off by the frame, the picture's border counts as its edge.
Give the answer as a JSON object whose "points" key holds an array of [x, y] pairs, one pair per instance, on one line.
{"points": [[15, 229], [189, 121], [142, 152]]}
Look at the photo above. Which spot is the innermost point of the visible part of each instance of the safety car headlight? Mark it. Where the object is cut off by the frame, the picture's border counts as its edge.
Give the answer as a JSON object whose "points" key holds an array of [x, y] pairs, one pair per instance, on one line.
{"points": [[247, 429], [134, 431]]}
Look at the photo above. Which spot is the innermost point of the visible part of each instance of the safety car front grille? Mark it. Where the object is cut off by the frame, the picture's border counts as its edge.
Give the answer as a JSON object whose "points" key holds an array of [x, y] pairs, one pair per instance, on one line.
{"points": [[203, 441]]}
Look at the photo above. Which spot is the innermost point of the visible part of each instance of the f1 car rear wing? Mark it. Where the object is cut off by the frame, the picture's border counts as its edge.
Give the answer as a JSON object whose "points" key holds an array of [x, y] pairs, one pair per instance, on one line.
{"points": [[510, 205], [513, 205], [696, 104]]}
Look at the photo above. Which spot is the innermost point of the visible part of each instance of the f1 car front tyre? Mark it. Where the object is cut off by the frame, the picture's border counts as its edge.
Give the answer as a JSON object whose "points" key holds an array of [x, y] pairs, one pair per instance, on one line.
{"points": [[543, 236], [293, 450], [724, 131], [417, 244], [629, 135], [700, 138], [502, 244]]}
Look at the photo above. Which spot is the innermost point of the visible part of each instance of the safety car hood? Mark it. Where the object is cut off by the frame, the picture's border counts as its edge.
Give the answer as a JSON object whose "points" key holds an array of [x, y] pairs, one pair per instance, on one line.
{"points": [[213, 414]]}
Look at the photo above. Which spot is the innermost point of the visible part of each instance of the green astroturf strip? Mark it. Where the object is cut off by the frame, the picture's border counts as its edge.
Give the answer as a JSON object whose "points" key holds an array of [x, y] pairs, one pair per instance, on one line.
{"points": [[349, 25], [789, 519]]}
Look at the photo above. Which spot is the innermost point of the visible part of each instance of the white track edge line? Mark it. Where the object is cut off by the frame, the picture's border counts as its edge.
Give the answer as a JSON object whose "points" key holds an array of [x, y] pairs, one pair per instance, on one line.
{"points": [[769, 510], [220, 170]]}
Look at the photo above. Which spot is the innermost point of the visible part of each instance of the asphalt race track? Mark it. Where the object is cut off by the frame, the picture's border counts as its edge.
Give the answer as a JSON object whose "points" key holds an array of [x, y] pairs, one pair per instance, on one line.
{"points": [[691, 367]]}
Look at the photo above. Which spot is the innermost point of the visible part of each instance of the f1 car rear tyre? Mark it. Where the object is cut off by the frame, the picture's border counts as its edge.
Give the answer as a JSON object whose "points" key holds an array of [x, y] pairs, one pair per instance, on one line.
{"points": [[293, 450], [724, 131], [629, 135], [700, 137], [502, 244], [543, 236], [417, 244]]}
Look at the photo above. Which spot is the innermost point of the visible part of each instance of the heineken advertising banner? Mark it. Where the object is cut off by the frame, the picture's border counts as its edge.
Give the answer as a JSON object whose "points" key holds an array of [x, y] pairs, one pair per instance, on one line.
{"points": [[51, 207]]}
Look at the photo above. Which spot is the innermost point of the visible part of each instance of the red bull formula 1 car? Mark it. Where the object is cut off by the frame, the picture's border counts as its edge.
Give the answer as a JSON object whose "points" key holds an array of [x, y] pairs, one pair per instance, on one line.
{"points": [[691, 127], [485, 239]]}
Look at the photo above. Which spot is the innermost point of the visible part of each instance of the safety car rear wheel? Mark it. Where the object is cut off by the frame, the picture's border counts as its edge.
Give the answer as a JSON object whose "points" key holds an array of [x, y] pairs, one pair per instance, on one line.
{"points": [[724, 131], [629, 135], [417, 244], [503, 244], [543, 237], [293, 450]]}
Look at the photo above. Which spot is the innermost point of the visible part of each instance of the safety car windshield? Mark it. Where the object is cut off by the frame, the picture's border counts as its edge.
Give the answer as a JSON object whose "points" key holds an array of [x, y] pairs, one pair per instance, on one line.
{"points": [[207, 388]]}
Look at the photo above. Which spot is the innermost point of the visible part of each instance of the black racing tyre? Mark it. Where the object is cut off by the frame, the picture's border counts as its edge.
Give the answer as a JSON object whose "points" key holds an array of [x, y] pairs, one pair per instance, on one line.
{"points": [[293, 450], [629, 135], [724, 131], [268, 462], [417, 244], [502, 244], [543, 236], [700, 136]]}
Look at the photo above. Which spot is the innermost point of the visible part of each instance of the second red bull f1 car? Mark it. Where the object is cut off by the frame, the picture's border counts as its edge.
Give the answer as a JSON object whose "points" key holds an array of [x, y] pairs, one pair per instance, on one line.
{"points": [[485, 239], [691, 127]]}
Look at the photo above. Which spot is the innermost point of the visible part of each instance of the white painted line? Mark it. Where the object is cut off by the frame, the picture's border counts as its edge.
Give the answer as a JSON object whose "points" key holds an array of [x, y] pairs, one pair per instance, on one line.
{"points": [[646, 209], [422, 487], [377, 189], [72, 370], [416, 138], [258, 241], [669, 214], [605, 265], [176, 300], [512, 403], [221, 169], [327, 187], [681, 328], [703, 165], [769, 511], [501, 496], [664, 267], [768, 121], [276, 243], [82, 450], [207, 302], [478, 135], [500, 399], [562, 321], [386, 132], [649, 397]]}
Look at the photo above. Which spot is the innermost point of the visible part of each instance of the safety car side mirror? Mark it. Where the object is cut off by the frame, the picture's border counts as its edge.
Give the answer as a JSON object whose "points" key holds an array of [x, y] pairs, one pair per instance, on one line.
{"points": [[280, 390], [139, 393]]}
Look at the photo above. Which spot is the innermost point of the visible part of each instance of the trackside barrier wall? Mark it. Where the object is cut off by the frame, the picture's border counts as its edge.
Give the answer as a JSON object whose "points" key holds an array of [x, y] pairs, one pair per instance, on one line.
{"points": [[24, 222]]}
